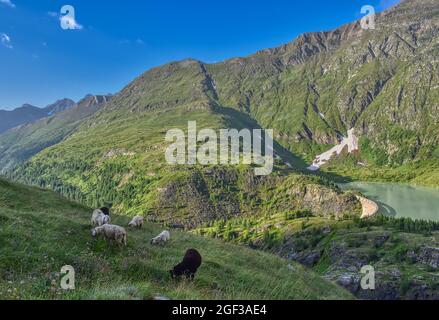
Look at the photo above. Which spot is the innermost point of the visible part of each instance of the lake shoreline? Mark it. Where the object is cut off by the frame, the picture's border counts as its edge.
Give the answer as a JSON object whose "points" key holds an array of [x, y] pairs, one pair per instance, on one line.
{"points": [[398, 200]]}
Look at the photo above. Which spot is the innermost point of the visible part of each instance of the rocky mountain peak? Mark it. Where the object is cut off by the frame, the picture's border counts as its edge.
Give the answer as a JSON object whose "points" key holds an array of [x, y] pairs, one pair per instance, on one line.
{"points": [[59, 106], [93, 100]]}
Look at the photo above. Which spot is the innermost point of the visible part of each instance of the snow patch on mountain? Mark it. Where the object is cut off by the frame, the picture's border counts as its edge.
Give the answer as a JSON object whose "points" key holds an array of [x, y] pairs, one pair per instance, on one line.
{"points": [[351, 142]]}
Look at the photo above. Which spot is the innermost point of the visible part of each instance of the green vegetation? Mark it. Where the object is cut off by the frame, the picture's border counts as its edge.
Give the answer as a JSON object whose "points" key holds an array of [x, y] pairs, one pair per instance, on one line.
{"points": [[311, 91], [424, 173], [401, 250], [122, 163], [40, 232], [271, 230]]}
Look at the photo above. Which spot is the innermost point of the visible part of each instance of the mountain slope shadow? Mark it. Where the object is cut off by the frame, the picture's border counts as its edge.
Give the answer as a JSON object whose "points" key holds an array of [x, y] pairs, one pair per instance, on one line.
{"points": [[239, 120]]}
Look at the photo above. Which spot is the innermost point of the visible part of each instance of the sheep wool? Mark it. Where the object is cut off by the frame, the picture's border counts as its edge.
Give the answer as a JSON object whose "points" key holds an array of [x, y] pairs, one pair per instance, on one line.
{"points": [[137, 222], [111, 232], [99, 218], [163, 237], [189, 266]]}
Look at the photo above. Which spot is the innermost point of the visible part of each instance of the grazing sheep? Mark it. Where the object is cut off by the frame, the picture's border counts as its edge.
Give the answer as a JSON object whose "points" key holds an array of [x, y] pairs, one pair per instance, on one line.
{"points": [[99, 218], [137, 222], [189, 266], [111, 232], [163, 237]]}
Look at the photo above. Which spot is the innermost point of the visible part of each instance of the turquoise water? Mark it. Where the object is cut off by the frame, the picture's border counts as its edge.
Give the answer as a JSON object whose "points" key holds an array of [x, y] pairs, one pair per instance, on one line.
{"points": [[401, 200]]}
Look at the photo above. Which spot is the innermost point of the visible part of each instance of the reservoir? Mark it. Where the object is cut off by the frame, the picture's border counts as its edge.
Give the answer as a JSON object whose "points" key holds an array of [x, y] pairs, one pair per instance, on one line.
{"points": [[399, 200]]}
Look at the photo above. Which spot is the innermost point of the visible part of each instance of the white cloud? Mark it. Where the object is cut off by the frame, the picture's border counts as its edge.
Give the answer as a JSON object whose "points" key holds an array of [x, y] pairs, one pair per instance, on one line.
{"points": [[7, 3], [6, 40]]}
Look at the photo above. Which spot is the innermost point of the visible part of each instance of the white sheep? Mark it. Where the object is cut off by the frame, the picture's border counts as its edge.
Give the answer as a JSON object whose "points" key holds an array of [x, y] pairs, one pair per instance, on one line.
{"points": [[99, 218], [111, 232], [137, 222], [163, 237]]}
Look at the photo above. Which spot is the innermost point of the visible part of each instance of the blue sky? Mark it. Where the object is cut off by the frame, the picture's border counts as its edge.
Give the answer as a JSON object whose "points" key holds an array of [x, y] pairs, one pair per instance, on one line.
{"points": [[115, 41]]}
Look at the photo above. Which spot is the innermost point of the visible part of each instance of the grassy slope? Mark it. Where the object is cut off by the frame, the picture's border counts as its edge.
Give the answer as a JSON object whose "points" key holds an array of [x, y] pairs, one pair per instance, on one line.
{"points": [[40, 232], [82, 163], [424, 173]]}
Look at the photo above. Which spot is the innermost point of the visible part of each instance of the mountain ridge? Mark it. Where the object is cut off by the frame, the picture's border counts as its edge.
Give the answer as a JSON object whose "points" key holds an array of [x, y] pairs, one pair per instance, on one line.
{"points": [[29, 113], [20, 143]]}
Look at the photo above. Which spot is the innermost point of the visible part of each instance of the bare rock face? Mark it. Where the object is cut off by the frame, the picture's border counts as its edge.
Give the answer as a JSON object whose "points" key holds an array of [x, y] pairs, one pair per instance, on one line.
{"points": [[308, 259], [428, 256], [326, 201], [349, 281]]}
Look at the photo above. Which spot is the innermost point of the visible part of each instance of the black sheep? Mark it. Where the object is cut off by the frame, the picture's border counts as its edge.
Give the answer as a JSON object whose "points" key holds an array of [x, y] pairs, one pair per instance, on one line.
{"points": [[106, 211], [189, 266]]}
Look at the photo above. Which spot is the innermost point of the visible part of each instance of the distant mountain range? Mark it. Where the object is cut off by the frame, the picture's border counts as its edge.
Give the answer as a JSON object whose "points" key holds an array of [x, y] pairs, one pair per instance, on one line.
{"points": [[28, 113], [58, 121]]}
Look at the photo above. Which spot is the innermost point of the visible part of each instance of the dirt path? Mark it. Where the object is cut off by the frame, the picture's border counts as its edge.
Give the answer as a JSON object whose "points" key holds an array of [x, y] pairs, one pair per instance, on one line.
{"points": [[370, 208]]}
